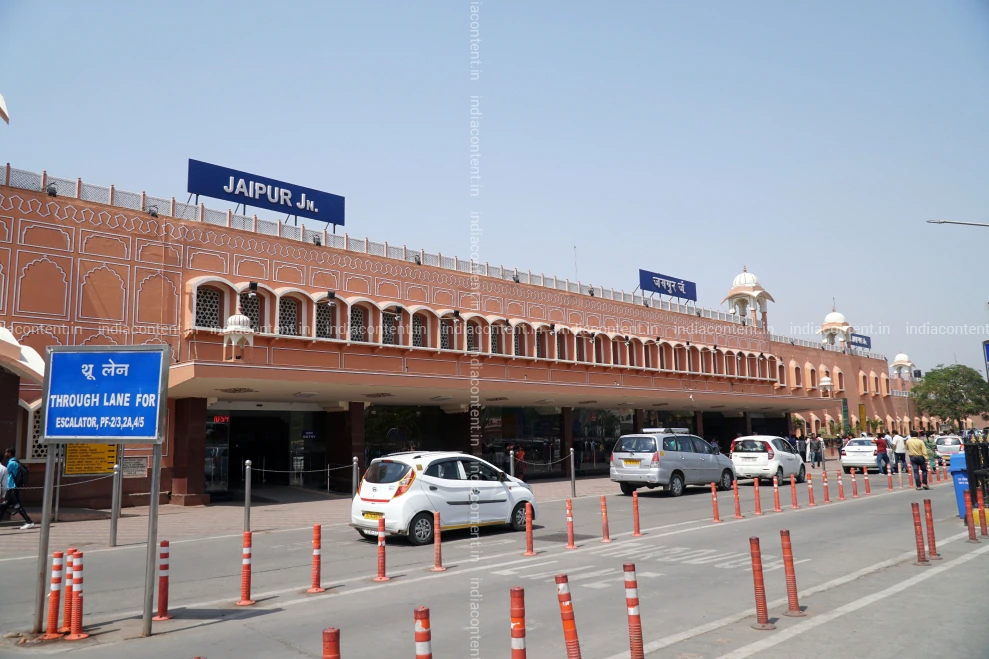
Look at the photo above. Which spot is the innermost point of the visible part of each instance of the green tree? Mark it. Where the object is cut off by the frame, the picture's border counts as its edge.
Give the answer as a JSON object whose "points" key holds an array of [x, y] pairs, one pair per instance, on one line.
{"points": [[952, 392]]}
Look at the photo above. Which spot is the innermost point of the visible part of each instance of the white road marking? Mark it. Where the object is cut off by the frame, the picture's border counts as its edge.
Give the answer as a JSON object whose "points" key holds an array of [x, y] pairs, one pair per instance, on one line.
{"points": [[818, 620], [508, 573]]}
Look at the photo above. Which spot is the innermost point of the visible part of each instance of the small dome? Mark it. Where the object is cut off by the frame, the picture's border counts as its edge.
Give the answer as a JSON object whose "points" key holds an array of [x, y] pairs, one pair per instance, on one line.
{"points": [[834, 317], [745, 278], [825, 382], [901, 358], [239, 323]]}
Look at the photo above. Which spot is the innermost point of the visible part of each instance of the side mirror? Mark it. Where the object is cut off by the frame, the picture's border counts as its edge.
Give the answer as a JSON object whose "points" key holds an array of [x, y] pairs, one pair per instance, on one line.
{"points": [[502, 476]]}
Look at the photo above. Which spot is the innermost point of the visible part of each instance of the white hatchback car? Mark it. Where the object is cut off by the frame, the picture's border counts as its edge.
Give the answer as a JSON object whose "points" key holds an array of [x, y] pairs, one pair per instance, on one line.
{"points": [[859, 454], [764, 456], [407, 488]]}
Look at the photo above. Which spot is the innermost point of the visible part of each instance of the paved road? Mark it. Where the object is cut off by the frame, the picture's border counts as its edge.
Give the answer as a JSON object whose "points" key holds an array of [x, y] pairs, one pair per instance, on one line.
{"points": [[854, 569]]}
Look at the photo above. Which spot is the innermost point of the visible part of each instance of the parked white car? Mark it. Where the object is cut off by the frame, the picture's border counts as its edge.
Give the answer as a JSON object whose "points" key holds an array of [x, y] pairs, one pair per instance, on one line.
{"points": [[765, 456], [406, 488], [948, 445], [859, 454]]}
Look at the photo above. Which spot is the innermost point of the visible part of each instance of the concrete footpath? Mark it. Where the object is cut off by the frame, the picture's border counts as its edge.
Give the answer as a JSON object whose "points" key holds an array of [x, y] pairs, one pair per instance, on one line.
{"points": [[854, 566]]}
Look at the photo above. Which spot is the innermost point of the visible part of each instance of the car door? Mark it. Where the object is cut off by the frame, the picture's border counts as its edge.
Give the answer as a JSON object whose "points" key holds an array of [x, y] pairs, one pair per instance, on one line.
{"points": [[708, 461], [448, 491], [488, 491], [690, 462], [788, 458]]}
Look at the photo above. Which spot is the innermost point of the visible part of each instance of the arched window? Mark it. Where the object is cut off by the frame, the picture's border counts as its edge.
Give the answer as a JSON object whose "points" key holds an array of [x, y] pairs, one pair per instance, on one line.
{"points": [[579, 346], [288, 316], [208, 307], [561, 345], [250, 306], [446, 334], [358, 326], [841, 381], [418, 331], [616, 353], [781, 375], [813, 378], [647, 354], [389, 327], [473, 334], [797, 380], [496, 340], [631, 354], [598, 352], [519, 338], [541, 345], [326, 321]]}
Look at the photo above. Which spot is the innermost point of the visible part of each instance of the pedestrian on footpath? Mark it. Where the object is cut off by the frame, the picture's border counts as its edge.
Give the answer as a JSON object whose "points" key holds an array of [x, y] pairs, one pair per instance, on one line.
{"points": [[930, 443], [890, 455], [882, 458], [918, 458], [817, 451], [802, 448], [15, 478], [900, 450]]}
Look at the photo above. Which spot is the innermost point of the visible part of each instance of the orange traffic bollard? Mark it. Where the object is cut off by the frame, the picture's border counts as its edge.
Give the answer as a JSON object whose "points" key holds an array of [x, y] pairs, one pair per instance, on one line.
{"points": [[841, 488], [570, 543], [910, 479], [931, 545], [865, 476], [163, 582], [317, 559], [791, 577], [437, 545], [758, 500], [331, 643], [899, 473], [67, 596], [762, 612], [918, 532], [636, 649], [424, 637], [517, 613], [529, 551], [605, 536], [54, 595], [968, 517], [855, 484], [889, 480], [381, 552], [245, 572], [793, 492], [738, 504], [982, 512], [824, 484], [776, 496], [566, 614], [714, 501], [77, 633], [636, 531], [810, 491]]}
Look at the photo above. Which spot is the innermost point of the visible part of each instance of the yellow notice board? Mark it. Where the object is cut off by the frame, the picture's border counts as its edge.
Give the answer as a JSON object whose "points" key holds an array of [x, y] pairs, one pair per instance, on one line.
{"points": [[89, 459]]}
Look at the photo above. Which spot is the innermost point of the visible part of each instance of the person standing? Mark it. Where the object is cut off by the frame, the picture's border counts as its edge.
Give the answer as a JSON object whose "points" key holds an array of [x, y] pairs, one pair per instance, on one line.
{"points": [[918, 458], [900, 450], [882, 458], [890, 455], [930, 443], [12, 500], [817, 451], [802, 448]]}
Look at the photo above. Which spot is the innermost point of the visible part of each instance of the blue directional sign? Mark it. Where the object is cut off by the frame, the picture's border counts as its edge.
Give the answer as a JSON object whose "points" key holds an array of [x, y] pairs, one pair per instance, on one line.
{"points": [[665, 285], [262, 192], [107, 394], [861, 341]]}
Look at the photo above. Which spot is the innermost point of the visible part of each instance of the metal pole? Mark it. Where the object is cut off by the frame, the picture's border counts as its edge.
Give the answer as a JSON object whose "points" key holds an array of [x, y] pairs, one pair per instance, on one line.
{"points": [[573, 477], [151, 560], [115, 506], [511, 462], [354, 478], [247, 496], [46, 510], [60, 460]]}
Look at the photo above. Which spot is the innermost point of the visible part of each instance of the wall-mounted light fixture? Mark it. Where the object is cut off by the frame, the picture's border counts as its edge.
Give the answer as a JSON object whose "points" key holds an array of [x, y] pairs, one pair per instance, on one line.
{"points": [[252, 289], [153, 211]]}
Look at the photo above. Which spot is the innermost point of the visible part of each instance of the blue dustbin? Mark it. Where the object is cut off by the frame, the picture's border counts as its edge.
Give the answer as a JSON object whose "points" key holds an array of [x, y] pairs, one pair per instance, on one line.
{"points": [[959, 474]]}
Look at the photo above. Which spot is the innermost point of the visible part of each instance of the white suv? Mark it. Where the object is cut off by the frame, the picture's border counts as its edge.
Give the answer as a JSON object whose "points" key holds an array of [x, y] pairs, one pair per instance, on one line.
{"points": [[764, 456], [406, 488]]}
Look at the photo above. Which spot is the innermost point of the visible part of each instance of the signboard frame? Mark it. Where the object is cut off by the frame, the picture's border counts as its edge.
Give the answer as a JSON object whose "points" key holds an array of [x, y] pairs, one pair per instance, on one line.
{"points": [[162, 400], [985, 354]]}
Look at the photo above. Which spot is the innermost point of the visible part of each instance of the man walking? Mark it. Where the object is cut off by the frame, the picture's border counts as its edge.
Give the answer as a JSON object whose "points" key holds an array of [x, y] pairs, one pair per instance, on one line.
{"points": [[817, 451], [802, 448], [15, 475], [918, 458], [882, 458], [900, 450]]}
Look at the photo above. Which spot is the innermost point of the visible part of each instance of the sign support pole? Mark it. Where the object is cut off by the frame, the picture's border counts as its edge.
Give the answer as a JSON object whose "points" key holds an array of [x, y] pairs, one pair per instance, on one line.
{"points": [[115, 504], [59, 462], [151, 562], [42, 567]]}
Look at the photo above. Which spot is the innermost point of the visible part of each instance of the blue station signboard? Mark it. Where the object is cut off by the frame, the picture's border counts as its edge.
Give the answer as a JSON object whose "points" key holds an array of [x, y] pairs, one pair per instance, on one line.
{"points": [[666, 285], [112, 394]]}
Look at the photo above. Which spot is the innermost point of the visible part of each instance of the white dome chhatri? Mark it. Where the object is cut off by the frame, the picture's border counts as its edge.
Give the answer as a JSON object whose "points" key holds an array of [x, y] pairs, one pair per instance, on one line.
{"points": [[745, 292], [836, 328], [835, 317], [903, 367], [901, 359], [238, 331]]}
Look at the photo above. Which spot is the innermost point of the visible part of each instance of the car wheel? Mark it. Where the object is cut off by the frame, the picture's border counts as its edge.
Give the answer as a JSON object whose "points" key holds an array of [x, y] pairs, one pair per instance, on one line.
{"points": [[726, 479], [848, 470], [802, 476], [675, 487], [518, 517], [370, 536], [421, 529], [779, 475], [627, 489]]}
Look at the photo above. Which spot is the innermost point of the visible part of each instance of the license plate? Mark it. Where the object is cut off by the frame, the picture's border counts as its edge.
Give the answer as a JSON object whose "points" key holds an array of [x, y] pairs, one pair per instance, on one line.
{"points": [[631, 463], [749, 459], [373, 515]]}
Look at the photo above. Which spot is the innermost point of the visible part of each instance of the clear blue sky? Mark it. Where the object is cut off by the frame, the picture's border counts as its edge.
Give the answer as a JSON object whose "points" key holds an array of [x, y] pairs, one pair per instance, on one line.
{"points": [[807, 140]]}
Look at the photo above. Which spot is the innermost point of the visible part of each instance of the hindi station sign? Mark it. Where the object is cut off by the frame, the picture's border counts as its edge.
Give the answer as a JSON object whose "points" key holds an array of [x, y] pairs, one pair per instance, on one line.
{"points": [[89, 459], [105, 394], [665, 285], [861, 341]]}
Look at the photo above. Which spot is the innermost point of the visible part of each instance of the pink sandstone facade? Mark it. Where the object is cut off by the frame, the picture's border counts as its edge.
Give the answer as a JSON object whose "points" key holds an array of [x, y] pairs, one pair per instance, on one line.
{"points": [[347, 325]]}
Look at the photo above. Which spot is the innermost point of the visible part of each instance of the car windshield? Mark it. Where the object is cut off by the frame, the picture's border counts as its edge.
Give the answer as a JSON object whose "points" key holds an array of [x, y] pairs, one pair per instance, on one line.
{"points": [[860, 442], [386, 471], [636, 445], [750, 446], [948, 441]]}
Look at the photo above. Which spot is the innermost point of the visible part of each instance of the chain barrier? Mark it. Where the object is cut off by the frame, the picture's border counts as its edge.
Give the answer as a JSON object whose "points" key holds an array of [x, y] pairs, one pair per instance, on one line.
{"points": [[300, 471], [542, 464], [91, 480]]}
